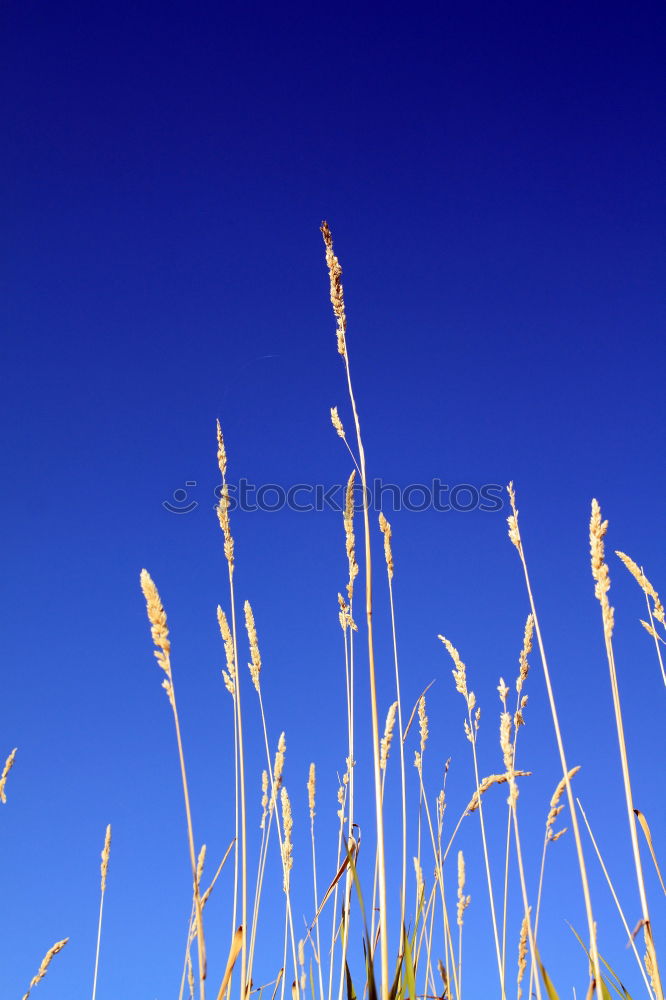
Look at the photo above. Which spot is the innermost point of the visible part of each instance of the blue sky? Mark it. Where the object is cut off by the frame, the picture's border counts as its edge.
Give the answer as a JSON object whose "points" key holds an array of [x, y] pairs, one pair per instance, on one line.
{"points": [[493, 176]]}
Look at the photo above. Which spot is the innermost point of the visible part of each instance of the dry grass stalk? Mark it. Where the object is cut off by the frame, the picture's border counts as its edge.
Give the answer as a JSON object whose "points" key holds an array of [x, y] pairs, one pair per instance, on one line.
{"points": [[104, 870], [516, 540], [46, 961], [630, 937], [9, 763], [385, 528], [598, 529], [160, 635], [239, 747], [471, 730], [337, 300]]}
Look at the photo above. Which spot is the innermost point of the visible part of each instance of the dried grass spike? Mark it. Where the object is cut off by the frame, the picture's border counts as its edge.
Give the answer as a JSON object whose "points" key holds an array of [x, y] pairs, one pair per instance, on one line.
{"points": [[423, 723], [337, 297], [522, 951], [460, 672], [598, 529], [387, 738], [350, 542], [9, 763], [46, 961], [255, 665], [337, 423], [512, 519], [221, 451], [287, 846], [557, 795], [311, 791], [106, 853], [386, 531]]}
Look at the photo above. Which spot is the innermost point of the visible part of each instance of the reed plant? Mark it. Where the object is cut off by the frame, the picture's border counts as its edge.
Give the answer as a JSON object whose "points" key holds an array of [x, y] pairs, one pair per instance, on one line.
{"points": [[408, 943]]}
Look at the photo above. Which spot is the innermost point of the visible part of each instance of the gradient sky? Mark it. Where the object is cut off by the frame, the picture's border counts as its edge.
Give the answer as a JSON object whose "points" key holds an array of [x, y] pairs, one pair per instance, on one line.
{"points": [[493, 175]]}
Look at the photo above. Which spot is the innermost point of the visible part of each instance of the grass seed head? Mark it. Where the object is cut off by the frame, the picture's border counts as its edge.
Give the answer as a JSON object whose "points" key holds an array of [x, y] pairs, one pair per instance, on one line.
{"points": [[598, 529], [46, 961], [9, 763], [311, 791], [386, 531], [337, 423], [255, 665], [337, 297], [106, 853], [387, 738]]}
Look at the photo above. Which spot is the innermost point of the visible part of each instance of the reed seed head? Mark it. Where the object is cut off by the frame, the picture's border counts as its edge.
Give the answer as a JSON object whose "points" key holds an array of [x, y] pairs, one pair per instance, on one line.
{"points": [[106, 853], [463, 900], [287, 846], [423, 723], [311, 791], [555, 807], [337, 423], [264, 798], [159, 631], [598, 529], [278, 768], [512, 519], [225, 524], [9, 763], [488, 782], [337, 297], [201, 860], [460, 672], [229, 674], [255, 665], [653, 632], [525, 652], [387, 738], [349, 534], [644, 584], [341, 802], [386, 531], [221, 452], [522, 951], [46, 961], [505, 741]]}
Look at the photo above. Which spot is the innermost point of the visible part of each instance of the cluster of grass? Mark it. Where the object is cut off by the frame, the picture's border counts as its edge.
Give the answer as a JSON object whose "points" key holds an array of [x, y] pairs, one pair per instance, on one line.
{"points": [[414, 949]]}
